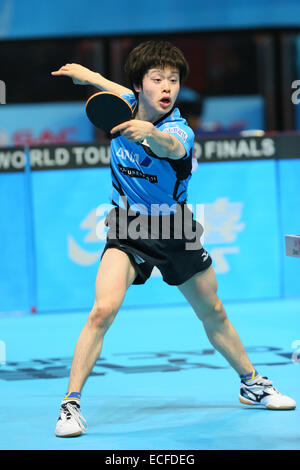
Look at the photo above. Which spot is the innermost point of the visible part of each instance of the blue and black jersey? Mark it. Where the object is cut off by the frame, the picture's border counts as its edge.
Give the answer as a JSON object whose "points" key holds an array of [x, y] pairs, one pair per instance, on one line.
{"points": [[145, 180]]}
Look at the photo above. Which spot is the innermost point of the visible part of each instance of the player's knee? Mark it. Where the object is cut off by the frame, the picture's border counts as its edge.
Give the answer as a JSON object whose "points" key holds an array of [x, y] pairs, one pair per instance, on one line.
{"points": [[215, 312], [102, 315]]}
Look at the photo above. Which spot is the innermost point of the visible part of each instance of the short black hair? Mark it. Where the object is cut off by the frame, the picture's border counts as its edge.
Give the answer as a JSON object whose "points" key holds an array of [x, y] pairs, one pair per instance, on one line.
{"points": [[152, 54]]}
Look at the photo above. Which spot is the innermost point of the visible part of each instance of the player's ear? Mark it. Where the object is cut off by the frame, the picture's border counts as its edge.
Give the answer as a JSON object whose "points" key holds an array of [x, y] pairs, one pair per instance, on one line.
{"points": [[137, 88]]}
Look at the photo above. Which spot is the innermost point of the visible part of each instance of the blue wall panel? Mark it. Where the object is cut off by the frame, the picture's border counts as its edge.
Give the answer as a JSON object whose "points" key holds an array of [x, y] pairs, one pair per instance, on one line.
{"points": [[36, 18], [289, 177], [67, 249], [241, 226], [14, 249]]}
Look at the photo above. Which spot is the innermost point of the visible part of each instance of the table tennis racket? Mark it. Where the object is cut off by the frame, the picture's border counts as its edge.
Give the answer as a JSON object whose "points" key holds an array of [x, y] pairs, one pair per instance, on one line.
{"points": [[106, 110]]}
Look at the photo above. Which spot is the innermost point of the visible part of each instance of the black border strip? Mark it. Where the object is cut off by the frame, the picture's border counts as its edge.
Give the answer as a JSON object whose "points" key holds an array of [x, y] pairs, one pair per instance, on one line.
{"points": [[97, 155]]}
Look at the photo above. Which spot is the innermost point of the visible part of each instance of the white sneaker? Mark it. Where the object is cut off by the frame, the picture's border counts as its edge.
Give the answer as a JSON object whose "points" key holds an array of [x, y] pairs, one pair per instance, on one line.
{"points": [[70, 423], [262, 394]]}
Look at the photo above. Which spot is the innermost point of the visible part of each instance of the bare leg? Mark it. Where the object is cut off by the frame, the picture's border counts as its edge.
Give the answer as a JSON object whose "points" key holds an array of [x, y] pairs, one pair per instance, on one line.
{"points": [[115, 275], [200, 292]]}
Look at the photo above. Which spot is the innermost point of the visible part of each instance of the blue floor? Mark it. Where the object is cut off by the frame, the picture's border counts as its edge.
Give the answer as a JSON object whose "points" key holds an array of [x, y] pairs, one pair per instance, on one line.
{"points": [[158, 385]]}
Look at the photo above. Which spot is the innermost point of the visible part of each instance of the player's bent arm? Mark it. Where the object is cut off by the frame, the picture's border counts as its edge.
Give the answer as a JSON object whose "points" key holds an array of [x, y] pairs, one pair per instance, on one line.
{"points": [[84, 76], [165, 145], [107, 85]]}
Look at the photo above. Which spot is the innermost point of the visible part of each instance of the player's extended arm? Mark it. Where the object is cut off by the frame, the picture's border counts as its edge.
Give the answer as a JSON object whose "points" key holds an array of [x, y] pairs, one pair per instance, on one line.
{"points": [[84, 76]]}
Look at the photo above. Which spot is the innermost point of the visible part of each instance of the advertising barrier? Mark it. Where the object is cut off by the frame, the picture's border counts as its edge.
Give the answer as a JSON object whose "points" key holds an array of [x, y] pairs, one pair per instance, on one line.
{"points": [[54, 200], [44, 124]]}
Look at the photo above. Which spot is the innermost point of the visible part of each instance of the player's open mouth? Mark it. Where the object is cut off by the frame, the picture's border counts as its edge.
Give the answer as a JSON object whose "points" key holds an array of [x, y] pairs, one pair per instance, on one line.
{"points": [[165, 102]]}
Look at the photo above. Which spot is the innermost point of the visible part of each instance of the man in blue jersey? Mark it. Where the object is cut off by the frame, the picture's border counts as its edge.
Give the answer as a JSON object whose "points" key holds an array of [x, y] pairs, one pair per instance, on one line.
{"points": [[151, 161]]}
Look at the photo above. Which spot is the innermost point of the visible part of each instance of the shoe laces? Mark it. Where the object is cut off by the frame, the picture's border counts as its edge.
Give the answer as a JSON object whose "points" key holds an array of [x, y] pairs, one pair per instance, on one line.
{"points": [[71, 409], [265, 382]]}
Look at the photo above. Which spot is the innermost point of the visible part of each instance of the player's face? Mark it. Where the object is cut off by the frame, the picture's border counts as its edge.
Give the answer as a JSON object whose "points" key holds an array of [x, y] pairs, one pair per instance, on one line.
{"points": [[159, 91]]}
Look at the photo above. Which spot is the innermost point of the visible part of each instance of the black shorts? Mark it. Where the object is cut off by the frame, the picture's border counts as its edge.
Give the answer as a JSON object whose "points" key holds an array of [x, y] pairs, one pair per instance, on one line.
{"points": [[171, 243]]}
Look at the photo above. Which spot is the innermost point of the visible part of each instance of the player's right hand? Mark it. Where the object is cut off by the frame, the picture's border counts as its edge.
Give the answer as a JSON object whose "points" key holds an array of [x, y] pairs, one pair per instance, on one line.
{"points": [[79, 74]]}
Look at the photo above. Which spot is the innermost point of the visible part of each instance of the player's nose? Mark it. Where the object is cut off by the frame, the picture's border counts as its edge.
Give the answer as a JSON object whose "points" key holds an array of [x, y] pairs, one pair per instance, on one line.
{"points": [[165, 85]]}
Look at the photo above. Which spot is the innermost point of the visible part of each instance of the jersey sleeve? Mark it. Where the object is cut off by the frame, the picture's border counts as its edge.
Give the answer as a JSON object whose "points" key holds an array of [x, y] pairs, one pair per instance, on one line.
{"points": [[182, 132], [130, 98]]}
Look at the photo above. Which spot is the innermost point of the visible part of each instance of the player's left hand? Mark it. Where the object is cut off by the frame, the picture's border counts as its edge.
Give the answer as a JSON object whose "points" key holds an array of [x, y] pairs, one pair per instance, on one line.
{"points": [[134, 130]]}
